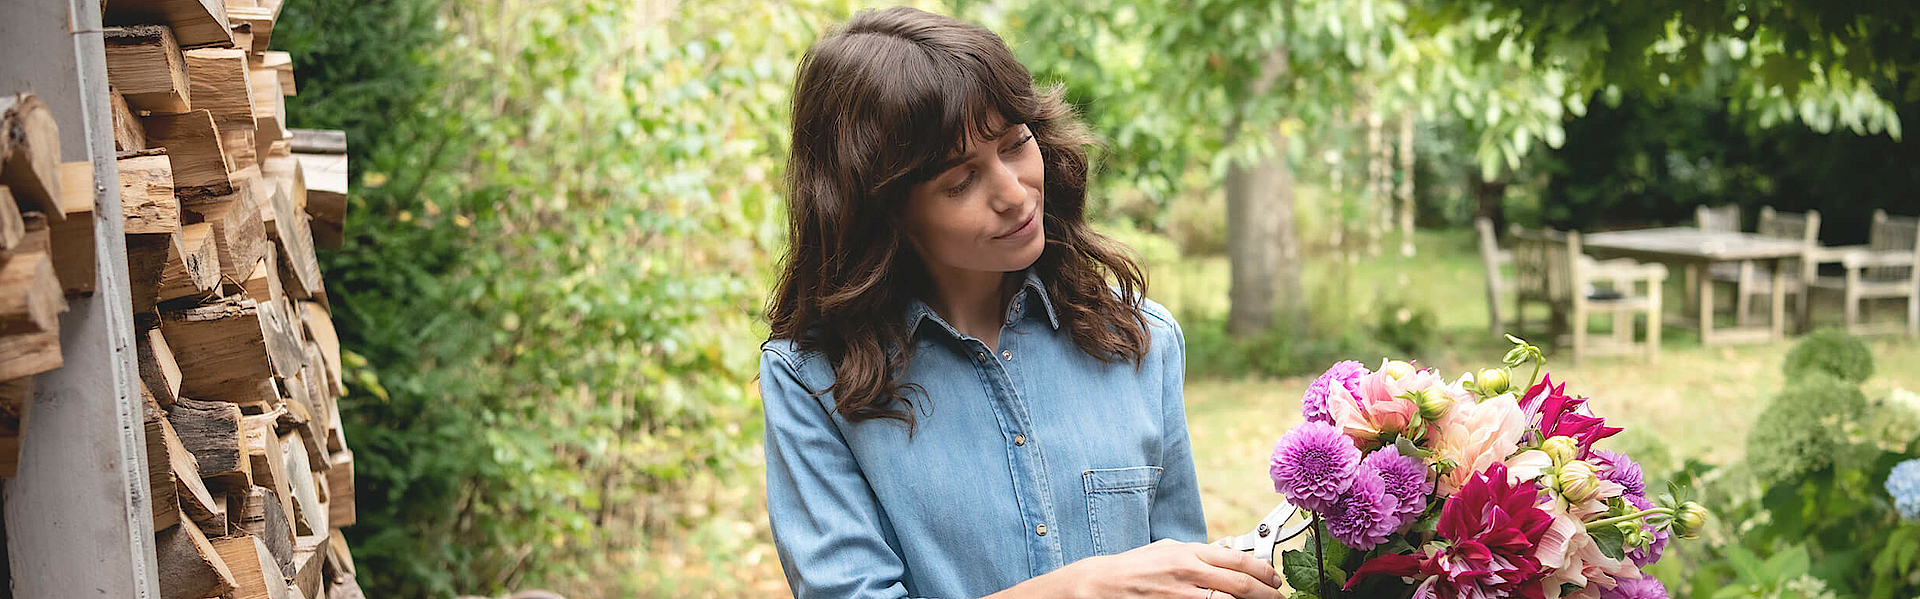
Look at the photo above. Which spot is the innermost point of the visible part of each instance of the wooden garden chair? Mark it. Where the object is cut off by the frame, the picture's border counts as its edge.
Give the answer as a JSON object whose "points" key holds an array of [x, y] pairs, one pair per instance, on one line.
{"points": [[1751, 281], [1712, 218], [1492, 258], [1550, 269], [1888, 267]]}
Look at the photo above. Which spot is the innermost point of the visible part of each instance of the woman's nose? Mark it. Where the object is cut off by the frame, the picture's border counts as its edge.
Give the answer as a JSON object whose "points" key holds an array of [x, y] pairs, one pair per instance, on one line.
{"points": [[1007, 193]]}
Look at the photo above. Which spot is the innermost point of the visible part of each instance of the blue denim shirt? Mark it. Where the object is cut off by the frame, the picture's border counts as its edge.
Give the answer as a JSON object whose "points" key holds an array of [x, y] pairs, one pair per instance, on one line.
{"points": [[1022, 461]]}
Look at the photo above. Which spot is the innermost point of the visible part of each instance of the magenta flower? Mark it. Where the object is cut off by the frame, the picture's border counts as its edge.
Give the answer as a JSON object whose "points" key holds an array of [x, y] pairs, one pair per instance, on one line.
{"points": [[1494, 526], [1406, 480], [1313, 464], [1560, 415], [1365, 514], [1646, 587], [1346, 374]]}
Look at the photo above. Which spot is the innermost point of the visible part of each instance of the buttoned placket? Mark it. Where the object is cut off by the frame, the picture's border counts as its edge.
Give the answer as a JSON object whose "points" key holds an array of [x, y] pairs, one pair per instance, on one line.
{"points": [[1025, 459]]}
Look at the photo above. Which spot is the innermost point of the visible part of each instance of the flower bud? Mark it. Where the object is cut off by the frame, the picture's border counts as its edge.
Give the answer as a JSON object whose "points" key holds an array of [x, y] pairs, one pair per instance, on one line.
{"points": [[1434, 405], [1561, 448], [1577, 481], [1494, 381], [1688, 519], [1397, 369], [1632, 532]]}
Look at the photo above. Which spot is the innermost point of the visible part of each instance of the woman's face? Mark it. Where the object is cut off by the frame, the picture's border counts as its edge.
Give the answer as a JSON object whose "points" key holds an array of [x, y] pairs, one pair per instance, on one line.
{"points": [[983, 213]]}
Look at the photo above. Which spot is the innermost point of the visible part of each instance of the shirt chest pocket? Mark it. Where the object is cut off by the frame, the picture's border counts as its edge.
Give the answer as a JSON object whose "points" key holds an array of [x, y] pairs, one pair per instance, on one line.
{"points": [[1118, 502]]}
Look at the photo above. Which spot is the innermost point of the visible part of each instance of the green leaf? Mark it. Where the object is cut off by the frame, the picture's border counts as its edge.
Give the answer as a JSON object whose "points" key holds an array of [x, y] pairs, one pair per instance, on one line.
{"points": [[1301, 571], [1611, 541]]}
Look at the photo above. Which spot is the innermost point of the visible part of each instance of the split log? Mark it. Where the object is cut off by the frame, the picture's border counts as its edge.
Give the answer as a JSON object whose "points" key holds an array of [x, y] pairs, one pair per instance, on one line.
{"points": [[282, 64], [128, 134], [72, 237], [309, 555], [146, 262], [211, 431], [347, 588], [195, 23], [326, 185], [269, 109], [262, 516], [309, 516], [340, 555], [30, 299], [240, 146], [146, 193], [193, 268], [221, 348], [262, 284], [340, 507], [266, 456], [174, 478], [158, 371], [26, 354], [12, 227], [284, 172], [256, 574], [289, 228], [30, 153], [239, 233], [146, 64], [190, 568], [259, 23], [201, 173], [219, 79]]}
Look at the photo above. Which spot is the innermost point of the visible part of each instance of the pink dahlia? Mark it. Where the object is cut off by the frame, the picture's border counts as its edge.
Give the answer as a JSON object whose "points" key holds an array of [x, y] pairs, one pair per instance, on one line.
{"points": [[1345, 374], [1313, 464], [1406, 480], [1364, 515], [1559, 415], [1493, 526]]}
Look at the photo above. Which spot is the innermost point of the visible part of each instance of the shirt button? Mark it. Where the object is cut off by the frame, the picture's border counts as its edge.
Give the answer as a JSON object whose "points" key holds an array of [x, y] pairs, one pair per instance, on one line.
{"points": [[981, 356], [1019, 439], [1040, 530], [1006, 354]]}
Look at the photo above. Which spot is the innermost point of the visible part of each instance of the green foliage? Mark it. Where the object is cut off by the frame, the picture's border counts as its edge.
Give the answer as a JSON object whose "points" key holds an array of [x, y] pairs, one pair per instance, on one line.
{"points": [[1405, 326], [1797, 432], [1831, 352]]}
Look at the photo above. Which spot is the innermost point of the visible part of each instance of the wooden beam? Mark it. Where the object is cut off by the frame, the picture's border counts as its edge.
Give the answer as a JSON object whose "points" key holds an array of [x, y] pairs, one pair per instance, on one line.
{"points": [[256, 574], [128, 134], [193, 268], [211, 431], [201, 174], [194, 22], [144, 63], [30, 153], [146, 193], [190, 568]]}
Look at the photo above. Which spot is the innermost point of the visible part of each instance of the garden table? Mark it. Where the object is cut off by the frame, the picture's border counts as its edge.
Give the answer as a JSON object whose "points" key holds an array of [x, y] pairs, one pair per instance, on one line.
{"points": [[1697, 248]]}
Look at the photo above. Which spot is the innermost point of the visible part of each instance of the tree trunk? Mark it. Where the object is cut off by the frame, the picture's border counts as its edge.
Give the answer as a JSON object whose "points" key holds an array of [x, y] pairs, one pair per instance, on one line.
{"points": [[1491, 196], [1263, 245]]}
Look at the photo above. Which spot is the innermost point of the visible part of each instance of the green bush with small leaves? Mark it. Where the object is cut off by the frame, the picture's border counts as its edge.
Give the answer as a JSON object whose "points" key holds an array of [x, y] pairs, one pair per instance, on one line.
{"points": [[1804, 428], [1832, 352]]}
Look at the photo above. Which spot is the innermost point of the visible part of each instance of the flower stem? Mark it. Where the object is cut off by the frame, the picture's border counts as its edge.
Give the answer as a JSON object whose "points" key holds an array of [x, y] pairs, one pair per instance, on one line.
{"points": [[1319, 561], [1596, 524]]}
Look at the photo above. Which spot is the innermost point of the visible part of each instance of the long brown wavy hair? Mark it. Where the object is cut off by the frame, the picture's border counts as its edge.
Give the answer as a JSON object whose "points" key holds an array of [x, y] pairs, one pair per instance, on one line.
{"points": [[878, 105]]}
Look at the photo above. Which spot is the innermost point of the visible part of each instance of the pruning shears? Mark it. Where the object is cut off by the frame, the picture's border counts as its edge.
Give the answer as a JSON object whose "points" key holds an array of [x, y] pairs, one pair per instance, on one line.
{"points": [[1282, 524]]}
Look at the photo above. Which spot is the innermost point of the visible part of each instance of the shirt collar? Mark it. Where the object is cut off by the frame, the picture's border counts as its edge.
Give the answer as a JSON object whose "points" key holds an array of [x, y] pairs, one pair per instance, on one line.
{"points": [[1032, 291]]}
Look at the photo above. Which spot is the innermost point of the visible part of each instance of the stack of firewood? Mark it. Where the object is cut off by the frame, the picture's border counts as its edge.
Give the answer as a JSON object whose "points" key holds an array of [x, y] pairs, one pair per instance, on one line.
{"points": [[240, 368]]}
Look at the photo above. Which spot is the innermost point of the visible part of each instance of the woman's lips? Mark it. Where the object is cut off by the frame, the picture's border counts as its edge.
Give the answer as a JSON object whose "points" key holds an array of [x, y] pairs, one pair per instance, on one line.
{"points": [[1024, 228]]}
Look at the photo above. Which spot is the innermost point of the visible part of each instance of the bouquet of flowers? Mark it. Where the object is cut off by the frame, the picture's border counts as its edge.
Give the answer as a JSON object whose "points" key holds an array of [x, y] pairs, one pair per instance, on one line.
{"points": [[1479, 487]]}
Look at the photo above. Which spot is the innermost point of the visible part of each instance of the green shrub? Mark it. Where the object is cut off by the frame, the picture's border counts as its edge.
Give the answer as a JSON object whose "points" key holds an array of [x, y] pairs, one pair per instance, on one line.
{"points": [[1805, 428], [1830, 351], [1405, 326]]}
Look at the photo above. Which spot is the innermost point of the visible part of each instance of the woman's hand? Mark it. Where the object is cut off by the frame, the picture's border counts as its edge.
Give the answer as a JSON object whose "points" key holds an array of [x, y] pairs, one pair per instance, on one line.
{"points": [[1165, 569]]}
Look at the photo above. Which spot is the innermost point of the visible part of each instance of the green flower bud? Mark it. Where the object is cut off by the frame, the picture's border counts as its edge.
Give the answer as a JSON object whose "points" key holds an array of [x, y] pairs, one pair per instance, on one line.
{"points": [[1688, 519], [1494, 381], [1577, 481], [1635, 535], [1397, 369], [1561, 448], [1434, 405]]}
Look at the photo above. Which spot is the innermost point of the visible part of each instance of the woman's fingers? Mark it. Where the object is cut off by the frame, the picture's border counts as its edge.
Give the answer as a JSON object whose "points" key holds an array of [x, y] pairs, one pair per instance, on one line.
{"points": [[1239, 561]]}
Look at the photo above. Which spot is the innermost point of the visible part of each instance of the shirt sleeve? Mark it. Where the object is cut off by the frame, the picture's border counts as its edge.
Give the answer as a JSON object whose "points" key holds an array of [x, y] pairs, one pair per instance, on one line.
{"points": [[1176, 513], [827, 524]]}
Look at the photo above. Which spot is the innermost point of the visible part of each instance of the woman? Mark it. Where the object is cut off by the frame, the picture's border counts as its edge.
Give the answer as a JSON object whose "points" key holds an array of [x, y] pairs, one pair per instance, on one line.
{"points": [[957, 403]]}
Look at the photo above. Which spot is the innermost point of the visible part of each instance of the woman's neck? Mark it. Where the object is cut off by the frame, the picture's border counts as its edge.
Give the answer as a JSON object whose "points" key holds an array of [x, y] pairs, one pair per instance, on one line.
{"points": [[974, 302]]}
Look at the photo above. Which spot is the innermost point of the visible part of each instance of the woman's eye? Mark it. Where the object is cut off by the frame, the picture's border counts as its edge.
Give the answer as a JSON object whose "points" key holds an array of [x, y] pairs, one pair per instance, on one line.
{"points": [[964, 183], [1022, 145]]}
